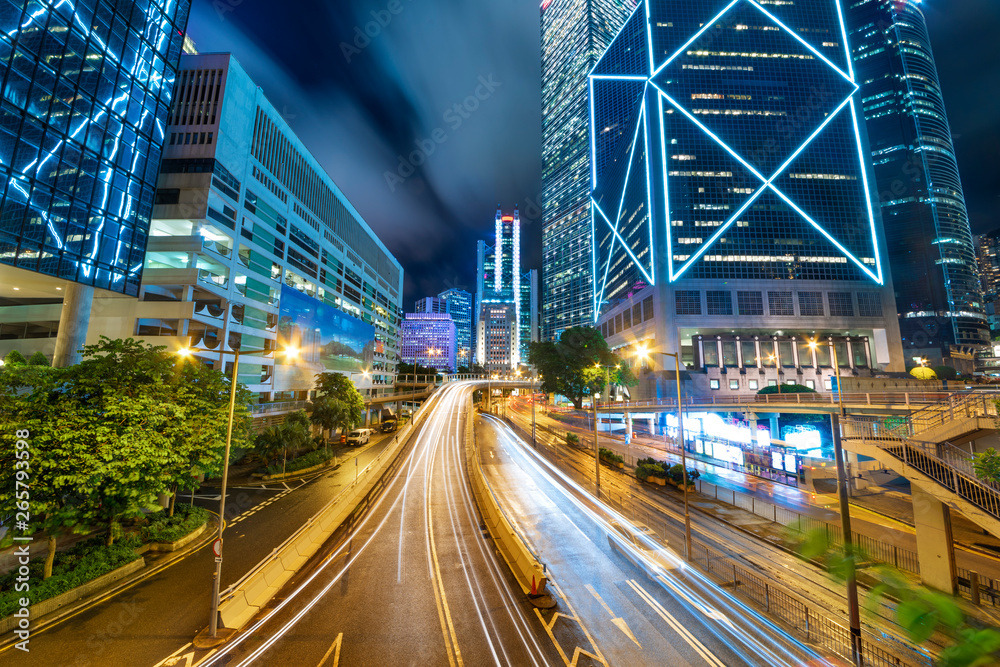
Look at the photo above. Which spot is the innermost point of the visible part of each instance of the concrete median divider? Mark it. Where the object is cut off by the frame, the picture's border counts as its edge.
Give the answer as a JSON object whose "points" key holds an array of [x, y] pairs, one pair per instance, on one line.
{"points": [[241, 601], [524, 564]]}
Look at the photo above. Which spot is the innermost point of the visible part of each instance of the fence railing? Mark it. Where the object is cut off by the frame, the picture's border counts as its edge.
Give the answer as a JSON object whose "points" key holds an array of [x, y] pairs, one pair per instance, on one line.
{"points": [[903, 399], [283, 406]]}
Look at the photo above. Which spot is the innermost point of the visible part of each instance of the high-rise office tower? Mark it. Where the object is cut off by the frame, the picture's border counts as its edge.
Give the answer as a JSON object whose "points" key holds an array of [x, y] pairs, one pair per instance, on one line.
{"points": [[86, 88], [428, 338], [574, 35], [430, 304], [931, 253], [460, 308], [733, 210], [988, 259], [253, 245], [498, 281], [528, 321]]}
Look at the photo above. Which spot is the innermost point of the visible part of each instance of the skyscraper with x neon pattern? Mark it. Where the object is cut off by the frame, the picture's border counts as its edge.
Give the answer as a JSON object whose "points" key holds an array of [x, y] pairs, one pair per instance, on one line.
{"points": [[731, 183]]}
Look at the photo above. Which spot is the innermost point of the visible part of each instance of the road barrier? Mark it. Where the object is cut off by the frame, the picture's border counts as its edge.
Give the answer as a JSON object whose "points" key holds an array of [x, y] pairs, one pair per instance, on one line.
{"points": [[527, 569], [241, 601]]}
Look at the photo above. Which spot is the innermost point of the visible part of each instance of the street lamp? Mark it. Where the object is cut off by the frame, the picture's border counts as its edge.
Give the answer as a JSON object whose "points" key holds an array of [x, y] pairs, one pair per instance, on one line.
{"points": [[680, 441], [597, 447], [185, 352], [845, 511]]}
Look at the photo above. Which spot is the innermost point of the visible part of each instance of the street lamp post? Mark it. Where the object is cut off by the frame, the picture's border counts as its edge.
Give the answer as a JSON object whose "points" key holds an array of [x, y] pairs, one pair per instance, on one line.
{"points": [[597, 446], [680, 442], [853, 609], [291, 353]]}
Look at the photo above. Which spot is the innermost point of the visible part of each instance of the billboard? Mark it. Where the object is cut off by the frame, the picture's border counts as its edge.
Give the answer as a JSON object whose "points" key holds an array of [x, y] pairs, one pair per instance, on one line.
{"points": [[328, 339]]}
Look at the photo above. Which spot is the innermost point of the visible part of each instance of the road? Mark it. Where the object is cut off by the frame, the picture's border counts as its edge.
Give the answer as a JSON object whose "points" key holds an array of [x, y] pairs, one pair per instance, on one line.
{"points": [[633, 615], [412, 581], [972, 547], [416, 581], [153, 618]]}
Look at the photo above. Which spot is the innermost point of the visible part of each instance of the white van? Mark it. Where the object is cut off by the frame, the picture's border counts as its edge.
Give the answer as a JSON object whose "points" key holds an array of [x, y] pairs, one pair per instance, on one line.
{"points": [[359, 436]]}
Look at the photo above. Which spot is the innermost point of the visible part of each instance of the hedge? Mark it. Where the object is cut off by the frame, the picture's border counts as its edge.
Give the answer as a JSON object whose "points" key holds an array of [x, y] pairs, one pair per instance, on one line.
{"points": [[309, 460], [186, 519], [74, 567]]}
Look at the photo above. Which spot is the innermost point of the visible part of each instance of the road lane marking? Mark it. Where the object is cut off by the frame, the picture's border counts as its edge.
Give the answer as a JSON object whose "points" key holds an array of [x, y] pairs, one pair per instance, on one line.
{"points": [[617, 620], [444, 613], [577, 527], [335, 646], [692, 641], [572, 616]]}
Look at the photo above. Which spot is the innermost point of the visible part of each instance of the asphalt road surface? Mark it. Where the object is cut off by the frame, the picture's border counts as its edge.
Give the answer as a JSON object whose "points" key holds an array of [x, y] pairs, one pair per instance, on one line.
{"points": [[416, 580]]}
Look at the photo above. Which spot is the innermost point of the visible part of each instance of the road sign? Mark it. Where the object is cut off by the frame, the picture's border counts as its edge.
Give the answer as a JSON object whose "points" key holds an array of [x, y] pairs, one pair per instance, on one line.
{"points": [[217, 547]]}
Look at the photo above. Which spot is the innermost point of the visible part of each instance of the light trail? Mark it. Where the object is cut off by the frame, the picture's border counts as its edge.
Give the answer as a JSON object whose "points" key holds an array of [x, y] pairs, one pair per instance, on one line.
{"points": [[439, 455], [705, 602]]}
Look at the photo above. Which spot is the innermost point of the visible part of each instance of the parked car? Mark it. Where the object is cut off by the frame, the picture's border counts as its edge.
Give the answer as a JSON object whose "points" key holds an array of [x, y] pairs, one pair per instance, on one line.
{"points": [[359, 436], [646, 554], [389, 425]]}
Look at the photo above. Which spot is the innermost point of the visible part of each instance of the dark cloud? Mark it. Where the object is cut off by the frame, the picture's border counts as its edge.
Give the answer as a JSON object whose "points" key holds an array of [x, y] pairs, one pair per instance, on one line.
{"points": [[370, 86]]}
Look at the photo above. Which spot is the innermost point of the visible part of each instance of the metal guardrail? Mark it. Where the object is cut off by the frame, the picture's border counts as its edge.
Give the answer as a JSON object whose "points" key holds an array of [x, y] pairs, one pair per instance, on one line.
{"points": [[283, 406], [957, 406]]}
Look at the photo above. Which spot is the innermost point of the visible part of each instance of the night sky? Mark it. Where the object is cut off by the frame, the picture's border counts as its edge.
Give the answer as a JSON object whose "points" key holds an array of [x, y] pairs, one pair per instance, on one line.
{"points": [[358, 103]]}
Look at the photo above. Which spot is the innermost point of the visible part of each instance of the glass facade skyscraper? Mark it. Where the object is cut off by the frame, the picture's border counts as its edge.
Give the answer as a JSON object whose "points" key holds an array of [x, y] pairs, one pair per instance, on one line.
{"points": [[931, 251], [731, 188], [460, 308], [574, 34], [86, 89]]}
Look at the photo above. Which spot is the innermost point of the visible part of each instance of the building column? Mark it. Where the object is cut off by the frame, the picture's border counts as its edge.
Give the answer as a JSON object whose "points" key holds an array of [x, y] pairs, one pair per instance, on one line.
{"points": [[74, 320], [935, 545]]}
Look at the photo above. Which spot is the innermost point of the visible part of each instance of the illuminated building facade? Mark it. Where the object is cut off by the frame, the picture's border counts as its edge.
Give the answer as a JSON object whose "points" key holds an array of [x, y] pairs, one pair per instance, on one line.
{"points": [[86, 89], [499, 281], [247, 222], [460, 308], [931, 251], [528, 319], [732, 197], [428, 338], [574, 35]]}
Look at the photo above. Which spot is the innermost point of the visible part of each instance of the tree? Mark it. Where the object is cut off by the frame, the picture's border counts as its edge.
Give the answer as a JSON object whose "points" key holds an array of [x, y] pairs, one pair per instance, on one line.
{"points": [[292, 434], [109, 435], [463, 370], [332, 414], [987, 465], [923, 373], [578, 364], [339, 386]]}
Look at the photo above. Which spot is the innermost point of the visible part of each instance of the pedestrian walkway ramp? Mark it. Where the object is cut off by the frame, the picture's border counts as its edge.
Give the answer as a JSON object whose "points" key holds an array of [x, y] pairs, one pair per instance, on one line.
{"points": [[917, 449]]}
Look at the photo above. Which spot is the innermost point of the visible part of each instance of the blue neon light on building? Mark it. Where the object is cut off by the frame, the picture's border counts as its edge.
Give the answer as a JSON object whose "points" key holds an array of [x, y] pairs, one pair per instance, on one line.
{"points": [[86, 89], [725, 146]]}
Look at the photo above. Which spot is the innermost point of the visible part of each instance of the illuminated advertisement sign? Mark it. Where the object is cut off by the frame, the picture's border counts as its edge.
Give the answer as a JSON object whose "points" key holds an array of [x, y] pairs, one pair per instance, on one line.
{"points": [[328, 339]]}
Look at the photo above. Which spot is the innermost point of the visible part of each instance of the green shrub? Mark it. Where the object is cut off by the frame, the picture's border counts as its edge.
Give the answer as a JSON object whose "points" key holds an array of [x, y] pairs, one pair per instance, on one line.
{"points": [[610, 456], [38, 359], [572, 439], [656, 470], [786, 389], [185, 520], [74, 567], [309, 460]]}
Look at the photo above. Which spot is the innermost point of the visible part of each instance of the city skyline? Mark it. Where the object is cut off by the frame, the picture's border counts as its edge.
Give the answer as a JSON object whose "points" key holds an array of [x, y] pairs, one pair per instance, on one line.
{"points": [[958, 35]]}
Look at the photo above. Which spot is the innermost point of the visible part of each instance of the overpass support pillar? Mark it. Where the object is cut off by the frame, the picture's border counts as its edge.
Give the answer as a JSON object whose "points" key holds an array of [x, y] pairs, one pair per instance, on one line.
{"points": [[935, 545]]}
